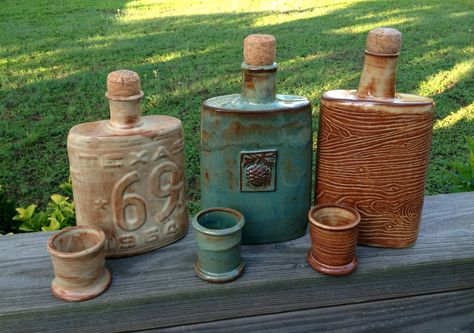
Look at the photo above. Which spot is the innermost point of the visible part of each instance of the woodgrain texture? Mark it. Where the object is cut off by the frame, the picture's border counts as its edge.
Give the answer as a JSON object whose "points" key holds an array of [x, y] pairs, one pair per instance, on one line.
{"points": [[159, 289], [373, 156], [333, 230], [446, 312]]}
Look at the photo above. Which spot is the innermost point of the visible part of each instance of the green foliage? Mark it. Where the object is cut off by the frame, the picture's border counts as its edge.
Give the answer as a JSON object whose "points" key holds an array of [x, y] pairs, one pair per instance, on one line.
{"points": [[7, 211], [462, 173], [30, 219], [67, 187], [59, 213]]}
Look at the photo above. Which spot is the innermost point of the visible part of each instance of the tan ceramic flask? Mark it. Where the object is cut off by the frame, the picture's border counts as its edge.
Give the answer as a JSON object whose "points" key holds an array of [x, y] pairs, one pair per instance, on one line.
{"points": [[127, 173], [373, 148]]}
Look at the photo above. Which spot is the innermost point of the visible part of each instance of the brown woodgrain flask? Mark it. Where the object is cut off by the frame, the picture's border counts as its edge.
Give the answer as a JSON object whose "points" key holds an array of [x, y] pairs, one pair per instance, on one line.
{"points": [[128, 173], [373, 148]]}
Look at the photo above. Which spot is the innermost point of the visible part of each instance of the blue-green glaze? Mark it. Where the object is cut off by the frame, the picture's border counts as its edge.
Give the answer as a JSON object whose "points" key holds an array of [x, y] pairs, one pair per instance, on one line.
{"points": [[218, 233], [235, 129]]}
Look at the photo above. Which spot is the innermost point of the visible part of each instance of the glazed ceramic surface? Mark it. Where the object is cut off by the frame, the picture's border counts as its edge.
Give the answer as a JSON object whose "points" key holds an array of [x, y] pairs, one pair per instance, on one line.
{"points": [[128, 173], [333, 231], [218, 233], [373, 149], [256, 152], [78, 255]]}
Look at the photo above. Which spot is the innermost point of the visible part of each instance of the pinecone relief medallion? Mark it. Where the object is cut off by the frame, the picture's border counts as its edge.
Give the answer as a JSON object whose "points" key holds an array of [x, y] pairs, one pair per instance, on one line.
{"points": [[257, 171]]}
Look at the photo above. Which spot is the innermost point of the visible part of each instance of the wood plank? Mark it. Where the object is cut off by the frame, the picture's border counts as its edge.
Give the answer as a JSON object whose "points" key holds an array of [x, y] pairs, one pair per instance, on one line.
{"points": [[444, 312], [159, 289]]}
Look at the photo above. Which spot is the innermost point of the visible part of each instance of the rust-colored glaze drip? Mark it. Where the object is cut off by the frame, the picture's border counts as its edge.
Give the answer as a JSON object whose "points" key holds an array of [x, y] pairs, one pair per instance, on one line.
{"points": [[373, 151], [259, 85]]}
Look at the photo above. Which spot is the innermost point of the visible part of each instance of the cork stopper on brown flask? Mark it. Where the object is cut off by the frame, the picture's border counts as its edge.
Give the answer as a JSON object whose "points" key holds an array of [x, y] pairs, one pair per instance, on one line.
{"points": [[123, 83], [259, 50], [384, 41]]}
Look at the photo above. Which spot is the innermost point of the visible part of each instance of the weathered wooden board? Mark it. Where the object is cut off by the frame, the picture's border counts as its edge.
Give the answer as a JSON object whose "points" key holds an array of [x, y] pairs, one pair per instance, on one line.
{"points": [[445, 312], [159, 289]]}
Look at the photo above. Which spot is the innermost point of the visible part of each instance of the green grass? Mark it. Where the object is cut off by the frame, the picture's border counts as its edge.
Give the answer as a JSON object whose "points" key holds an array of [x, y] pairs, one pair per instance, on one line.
{"points": [[55, 56]]}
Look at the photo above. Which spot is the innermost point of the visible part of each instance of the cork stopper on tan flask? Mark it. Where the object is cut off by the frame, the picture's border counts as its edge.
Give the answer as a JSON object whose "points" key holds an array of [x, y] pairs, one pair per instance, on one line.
{"points": [[124, 94], [380, 64], [259, 50]]}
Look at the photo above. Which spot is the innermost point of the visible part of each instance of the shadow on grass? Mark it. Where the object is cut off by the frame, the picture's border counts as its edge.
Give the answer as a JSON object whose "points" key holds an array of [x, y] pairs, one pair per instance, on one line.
{"points": [[58, 78]]}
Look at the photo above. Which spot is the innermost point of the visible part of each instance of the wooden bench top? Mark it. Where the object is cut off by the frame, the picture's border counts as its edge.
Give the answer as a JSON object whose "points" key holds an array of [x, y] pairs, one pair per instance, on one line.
{"points": [[429, 286]]}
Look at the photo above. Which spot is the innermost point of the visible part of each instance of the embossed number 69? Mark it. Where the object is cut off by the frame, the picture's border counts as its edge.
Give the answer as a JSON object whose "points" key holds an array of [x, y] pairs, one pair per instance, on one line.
{"points": [[121, 201]]}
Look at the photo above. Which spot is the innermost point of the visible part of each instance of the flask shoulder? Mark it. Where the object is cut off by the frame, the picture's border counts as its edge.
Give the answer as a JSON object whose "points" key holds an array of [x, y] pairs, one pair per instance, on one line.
{"points": [[400, 102], [156, 124], [235, 104]]}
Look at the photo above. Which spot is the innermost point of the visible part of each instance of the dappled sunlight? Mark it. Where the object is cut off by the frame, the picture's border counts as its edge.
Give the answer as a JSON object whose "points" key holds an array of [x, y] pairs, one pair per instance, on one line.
{"points": [[167, 56], [461, 14], [464, 114], [180, 88], [280, 10], [140, 10], [366, 27], [297, 61], [393, 12], [446, 79]]}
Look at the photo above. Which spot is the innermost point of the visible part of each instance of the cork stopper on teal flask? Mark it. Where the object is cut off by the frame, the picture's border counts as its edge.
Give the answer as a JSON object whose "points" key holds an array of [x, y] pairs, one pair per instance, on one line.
{"points": [[373, 148], [256, 150]]}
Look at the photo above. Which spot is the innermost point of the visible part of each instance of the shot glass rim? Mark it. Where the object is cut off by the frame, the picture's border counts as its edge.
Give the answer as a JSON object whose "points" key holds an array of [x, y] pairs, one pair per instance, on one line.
{"points": [[219, 232], [335, 228], [93, 249]]}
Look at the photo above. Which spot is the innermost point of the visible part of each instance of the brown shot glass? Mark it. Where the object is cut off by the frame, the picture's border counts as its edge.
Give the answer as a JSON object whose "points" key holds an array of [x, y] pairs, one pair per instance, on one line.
{"points": [[78, 255], [333, 230]]}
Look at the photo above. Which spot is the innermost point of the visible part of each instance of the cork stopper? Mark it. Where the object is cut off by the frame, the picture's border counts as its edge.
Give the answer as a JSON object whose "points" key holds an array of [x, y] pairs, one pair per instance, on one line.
{"points": [[123, 83], [384, 41], [259, 50]]}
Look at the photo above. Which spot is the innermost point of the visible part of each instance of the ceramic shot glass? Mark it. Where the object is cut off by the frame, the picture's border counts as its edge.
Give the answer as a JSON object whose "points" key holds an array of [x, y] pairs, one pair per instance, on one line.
{"points": [[333, 229], [218, 233], [78, 255]]}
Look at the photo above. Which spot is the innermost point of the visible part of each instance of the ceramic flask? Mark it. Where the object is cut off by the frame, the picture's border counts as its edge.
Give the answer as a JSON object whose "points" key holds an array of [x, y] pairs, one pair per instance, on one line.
{"points": [[218, 233], [78, 255], [127, 173], [256, 151], [373, 148]]}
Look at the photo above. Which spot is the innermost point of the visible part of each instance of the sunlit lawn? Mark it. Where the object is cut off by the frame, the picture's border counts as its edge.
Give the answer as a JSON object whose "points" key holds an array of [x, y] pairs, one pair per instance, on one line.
{"points": [[55, 56]]}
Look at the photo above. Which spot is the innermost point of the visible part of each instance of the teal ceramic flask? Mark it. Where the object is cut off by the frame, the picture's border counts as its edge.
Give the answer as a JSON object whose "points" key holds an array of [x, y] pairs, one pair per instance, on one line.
{"points": [[218, 233], [256, 151]]}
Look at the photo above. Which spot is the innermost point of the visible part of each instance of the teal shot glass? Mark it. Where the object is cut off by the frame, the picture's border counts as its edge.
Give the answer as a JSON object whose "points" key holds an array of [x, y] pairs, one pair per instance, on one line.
{"points": [[218, 233]]}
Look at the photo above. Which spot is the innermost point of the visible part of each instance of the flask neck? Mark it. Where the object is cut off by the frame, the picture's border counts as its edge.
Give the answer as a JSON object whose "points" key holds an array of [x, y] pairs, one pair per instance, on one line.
{"points": [[378, 76], [259, 83], [125, 111]]}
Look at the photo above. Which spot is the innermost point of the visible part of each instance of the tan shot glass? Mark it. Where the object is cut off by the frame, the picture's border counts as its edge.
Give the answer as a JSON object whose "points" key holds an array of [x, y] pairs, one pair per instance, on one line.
{"points": [[78, 255], [333, 231]]}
